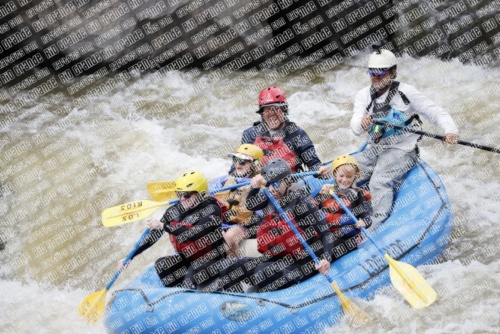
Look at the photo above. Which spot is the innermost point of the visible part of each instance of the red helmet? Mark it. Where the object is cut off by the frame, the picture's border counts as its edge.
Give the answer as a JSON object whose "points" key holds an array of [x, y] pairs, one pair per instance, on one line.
{"points": [[272, 96]]}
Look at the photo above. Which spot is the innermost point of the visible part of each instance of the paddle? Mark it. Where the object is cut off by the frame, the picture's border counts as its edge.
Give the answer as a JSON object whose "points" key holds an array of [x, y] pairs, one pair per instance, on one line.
{"points": [[435, 136], [358, 317], [134, 211], [131, 212], [165, 190], [303, 174], [405, 278], [161, 191], [92, 307]]}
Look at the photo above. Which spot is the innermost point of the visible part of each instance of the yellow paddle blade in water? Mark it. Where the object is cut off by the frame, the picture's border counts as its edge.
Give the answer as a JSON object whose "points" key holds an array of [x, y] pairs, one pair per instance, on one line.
{"points": [[130, 212], [162, 191], [92, 308], [358, 318], [410, 283]]}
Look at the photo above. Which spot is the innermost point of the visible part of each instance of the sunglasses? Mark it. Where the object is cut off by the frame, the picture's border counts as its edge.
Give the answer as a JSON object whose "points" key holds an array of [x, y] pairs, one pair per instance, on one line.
{"points": [[378, 72], [185, 194], [238, 161]]}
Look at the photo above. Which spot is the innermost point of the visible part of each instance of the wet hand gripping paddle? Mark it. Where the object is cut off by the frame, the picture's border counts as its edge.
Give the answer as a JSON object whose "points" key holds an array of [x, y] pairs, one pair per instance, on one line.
{"points": [[404, 277], [357, 317], [92, 307]]}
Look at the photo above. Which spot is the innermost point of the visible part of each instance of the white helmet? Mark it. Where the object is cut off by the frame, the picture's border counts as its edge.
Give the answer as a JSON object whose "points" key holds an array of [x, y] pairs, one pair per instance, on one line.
{"points": [[382, 59]]}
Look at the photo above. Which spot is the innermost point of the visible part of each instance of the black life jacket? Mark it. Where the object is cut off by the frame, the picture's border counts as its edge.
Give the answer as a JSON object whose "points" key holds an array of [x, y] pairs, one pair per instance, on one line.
{"points": [[200, 247]]}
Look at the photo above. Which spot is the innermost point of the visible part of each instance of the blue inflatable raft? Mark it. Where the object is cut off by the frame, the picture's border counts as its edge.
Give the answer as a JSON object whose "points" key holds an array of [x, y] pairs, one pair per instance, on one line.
{"points": [[416, 233]]}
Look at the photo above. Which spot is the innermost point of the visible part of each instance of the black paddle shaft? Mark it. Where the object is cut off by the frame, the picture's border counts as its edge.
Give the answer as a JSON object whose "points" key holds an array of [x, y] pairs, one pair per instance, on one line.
{"points": [[435, 136]]}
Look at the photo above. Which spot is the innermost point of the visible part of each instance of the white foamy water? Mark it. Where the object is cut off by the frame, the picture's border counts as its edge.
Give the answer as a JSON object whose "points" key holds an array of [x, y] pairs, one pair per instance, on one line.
{"points": [[59, 172]]}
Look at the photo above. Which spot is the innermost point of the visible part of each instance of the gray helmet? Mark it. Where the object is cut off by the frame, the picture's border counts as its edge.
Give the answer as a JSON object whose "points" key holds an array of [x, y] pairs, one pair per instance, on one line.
{"points": [[275, 170]]}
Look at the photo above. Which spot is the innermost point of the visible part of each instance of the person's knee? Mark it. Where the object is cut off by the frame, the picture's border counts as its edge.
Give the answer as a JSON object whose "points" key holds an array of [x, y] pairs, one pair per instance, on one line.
{"points": [[230, 240], [161, 263], [168, 280], [234, 236], [167, 262], [240, 234], [378, 183]]}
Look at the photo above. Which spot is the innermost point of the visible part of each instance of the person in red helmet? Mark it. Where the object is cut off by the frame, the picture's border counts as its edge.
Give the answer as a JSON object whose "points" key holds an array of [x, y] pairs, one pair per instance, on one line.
{"points": [[277, 136]]}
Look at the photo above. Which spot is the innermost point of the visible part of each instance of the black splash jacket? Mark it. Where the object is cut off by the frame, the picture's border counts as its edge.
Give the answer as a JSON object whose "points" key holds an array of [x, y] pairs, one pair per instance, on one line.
{"points": [[205, 220]]}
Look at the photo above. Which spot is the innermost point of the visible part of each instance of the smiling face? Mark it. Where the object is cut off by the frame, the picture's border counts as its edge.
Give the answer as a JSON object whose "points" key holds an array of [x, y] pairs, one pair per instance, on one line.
{"points": [[344, 176], [274, 117]]}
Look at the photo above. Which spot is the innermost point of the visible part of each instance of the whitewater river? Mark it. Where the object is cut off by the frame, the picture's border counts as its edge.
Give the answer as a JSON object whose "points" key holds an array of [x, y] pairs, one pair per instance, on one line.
{"points": [[59, 170]]}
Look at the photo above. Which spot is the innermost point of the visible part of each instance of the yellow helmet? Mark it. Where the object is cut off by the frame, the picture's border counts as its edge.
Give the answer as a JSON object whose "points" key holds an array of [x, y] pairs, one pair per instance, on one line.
{"points": [[249, 150], [345, 160], [191, 180]]}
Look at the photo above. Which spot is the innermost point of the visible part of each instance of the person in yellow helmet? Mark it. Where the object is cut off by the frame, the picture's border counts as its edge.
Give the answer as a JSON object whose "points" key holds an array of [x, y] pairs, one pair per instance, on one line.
{"points": [[194, 227], [345, 171], [239, 223]]}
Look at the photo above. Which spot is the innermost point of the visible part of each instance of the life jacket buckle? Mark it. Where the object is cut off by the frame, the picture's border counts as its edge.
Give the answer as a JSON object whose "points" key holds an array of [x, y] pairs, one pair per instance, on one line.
{"points": [[378, 133]]}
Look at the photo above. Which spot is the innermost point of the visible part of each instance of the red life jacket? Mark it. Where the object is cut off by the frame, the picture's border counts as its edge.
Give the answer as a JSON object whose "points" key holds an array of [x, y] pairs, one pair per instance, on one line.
{"points": [[200, 247], [334, 211], [275, 236], [276, 148]]}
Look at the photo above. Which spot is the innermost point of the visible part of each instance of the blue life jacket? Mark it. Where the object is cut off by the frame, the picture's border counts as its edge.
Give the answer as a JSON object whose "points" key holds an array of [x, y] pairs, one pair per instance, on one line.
{"points": [[385, 113], [394, 117]]}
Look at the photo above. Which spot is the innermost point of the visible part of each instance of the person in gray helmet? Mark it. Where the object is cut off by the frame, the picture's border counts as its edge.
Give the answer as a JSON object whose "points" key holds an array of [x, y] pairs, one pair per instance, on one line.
{"points": [[284, 261], [391, 153]]}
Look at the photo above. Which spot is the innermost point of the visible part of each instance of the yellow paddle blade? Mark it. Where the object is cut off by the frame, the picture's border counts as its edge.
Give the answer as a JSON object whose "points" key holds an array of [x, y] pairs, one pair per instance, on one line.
{"points": [[92, 308], [162, 191], [130, 212], [410, 283], [358, 318]]}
